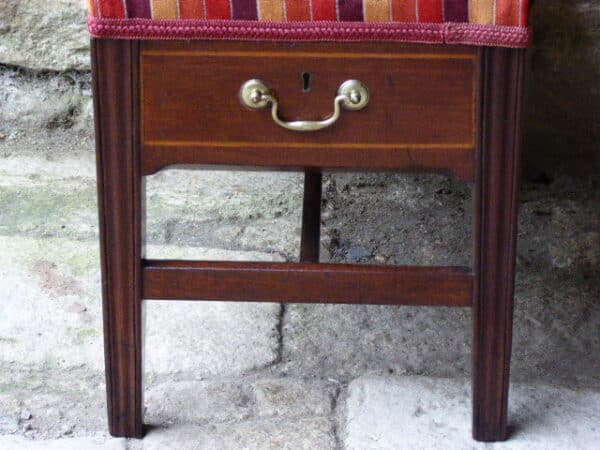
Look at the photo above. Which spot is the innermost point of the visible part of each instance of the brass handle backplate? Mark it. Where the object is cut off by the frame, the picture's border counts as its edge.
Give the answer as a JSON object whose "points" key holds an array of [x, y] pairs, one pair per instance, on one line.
{"points": [[352, 95]]}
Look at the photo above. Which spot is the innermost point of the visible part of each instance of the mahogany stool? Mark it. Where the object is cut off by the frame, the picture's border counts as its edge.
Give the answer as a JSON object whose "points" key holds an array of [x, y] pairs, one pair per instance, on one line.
{"points": [[253, 83]]}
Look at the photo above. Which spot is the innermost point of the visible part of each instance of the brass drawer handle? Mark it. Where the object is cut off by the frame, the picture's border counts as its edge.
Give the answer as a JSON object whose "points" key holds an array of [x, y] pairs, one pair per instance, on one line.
{"points": [[352, 95]]}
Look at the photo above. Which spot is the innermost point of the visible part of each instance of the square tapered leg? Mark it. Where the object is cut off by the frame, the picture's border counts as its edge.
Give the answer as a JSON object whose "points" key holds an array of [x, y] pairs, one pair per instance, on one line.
{"points": [[496, 204], [120, 197]]}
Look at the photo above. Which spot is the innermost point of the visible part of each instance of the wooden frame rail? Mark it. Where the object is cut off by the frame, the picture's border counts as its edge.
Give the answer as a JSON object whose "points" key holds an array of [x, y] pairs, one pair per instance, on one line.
{"points": [[306, 283]]}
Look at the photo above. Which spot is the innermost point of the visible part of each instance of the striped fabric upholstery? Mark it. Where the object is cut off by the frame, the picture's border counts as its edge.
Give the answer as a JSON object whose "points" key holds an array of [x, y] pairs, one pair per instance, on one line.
{"points": [[485, 22]]}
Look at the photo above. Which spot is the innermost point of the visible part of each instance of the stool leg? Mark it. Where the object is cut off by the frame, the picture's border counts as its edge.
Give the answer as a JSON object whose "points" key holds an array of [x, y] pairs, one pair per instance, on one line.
{"points": [[119, 198], [496, 202], [311, 217]]}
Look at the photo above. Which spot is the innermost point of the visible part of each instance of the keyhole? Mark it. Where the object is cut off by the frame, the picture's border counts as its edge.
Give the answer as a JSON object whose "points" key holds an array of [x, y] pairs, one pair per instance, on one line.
{"points": [[306, 81]]}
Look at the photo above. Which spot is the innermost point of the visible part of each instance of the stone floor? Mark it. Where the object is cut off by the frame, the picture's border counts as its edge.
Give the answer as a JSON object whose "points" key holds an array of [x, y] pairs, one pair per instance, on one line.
{"points": [[375, 413], [237, 376]]}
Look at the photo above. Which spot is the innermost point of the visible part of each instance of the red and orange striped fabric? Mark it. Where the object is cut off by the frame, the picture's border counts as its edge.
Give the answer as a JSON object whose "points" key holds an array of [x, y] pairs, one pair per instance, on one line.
{"points": [[482, 22]]}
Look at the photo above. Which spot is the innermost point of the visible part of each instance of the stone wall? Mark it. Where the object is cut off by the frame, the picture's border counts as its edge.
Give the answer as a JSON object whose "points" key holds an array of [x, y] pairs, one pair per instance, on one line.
{"points": [[44, 79], [563, 118]]}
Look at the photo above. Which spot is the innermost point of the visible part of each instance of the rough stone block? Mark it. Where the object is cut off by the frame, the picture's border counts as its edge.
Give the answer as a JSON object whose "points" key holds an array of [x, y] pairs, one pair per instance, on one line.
{"points": [[291, 397], [198, 402], [52, 315], [238, 399], [414, 412], [254, 211], [44, 34], [349, 340], [87, 443], [273, 434], [210, 338]]}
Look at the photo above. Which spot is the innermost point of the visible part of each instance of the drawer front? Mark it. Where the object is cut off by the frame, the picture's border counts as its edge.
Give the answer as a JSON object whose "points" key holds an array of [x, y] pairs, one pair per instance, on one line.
{"points": [[422, 97]]}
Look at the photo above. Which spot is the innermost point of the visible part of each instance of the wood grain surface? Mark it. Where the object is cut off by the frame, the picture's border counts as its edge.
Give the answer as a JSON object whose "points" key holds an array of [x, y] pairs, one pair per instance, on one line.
{"points": [[120, 188], [422, 113], [307, 283], [495, 226]]}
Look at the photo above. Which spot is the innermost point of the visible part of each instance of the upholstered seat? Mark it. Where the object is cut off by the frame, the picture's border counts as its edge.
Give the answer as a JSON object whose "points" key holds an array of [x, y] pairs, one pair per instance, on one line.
{"points": [[477, 22]]}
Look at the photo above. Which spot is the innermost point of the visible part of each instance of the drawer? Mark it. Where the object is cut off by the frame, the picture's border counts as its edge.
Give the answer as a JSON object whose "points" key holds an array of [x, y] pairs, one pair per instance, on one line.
{"points": [[421, 113]]}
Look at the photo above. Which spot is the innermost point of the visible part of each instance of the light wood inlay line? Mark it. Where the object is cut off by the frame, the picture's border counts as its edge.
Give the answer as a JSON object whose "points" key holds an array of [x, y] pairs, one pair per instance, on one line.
{"points": [[302, 145], [292, 54]]}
